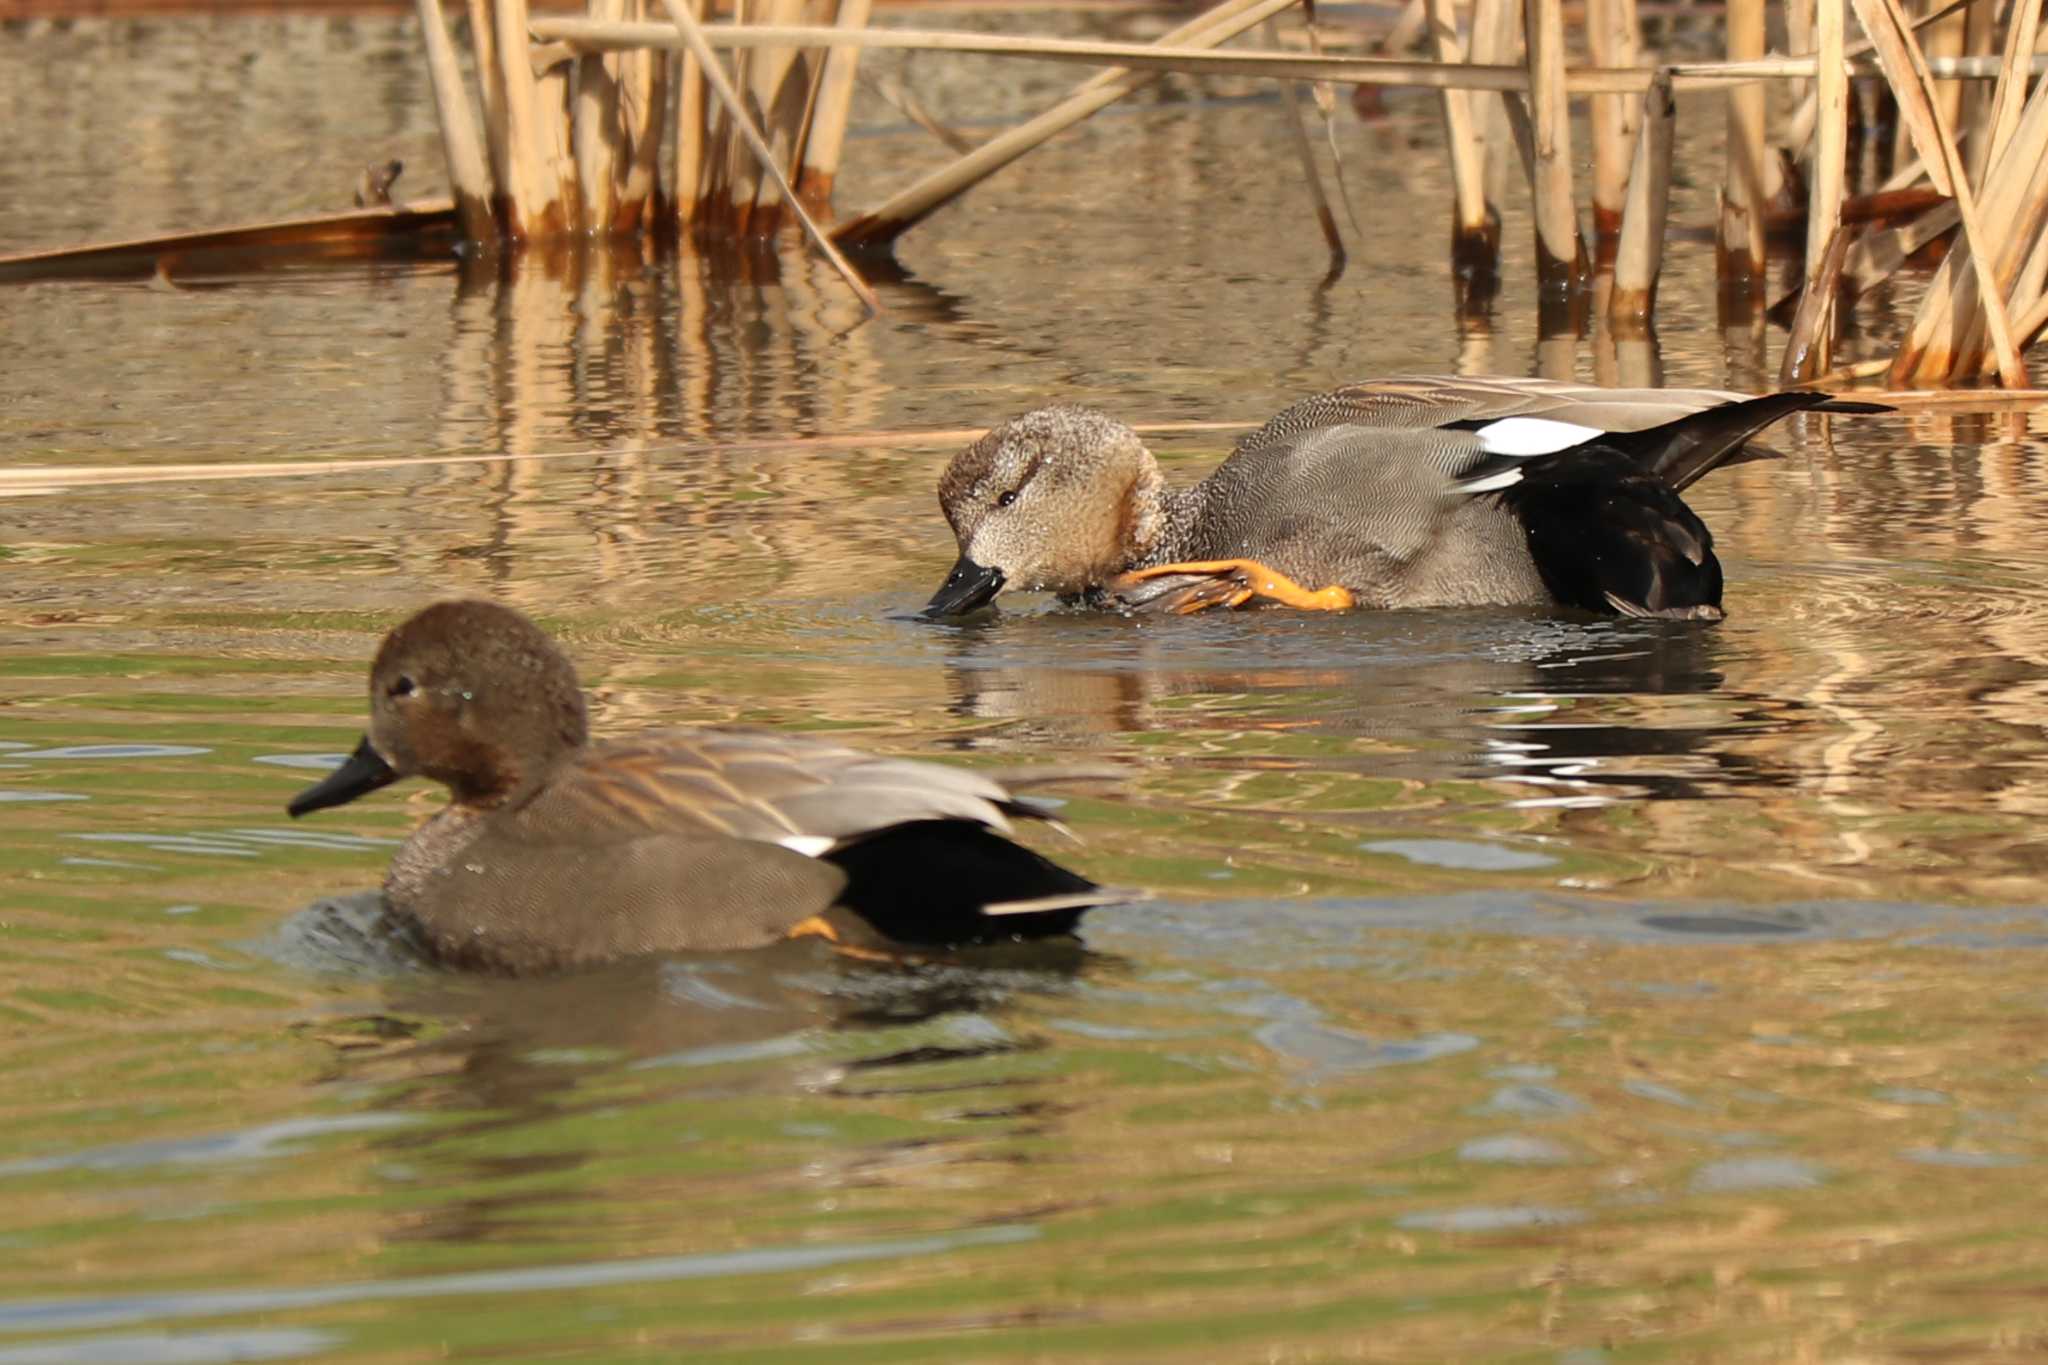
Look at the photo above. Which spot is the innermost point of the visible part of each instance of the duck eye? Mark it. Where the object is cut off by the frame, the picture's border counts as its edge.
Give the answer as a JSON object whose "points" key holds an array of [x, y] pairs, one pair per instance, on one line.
{"points": [[404, 687], [1007, 498]]}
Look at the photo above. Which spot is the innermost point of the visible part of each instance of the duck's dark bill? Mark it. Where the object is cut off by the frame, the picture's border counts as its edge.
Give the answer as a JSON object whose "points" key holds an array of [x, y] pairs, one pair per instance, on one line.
{"points": [[359, 775], [967, 587]]}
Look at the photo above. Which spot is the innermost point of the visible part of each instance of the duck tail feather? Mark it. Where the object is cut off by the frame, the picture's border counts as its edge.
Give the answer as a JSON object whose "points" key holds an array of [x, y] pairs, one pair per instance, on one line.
{"points": [[1682, 452]]}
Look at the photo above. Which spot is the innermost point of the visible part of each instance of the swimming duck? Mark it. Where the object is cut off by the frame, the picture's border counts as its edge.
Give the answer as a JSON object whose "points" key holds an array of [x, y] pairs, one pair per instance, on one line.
{"points": [[556, 851], [1408, 492]]}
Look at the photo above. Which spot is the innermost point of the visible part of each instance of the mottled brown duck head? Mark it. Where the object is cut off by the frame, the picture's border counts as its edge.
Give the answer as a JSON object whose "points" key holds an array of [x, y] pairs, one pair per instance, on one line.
{"points": [[1059, 500], [469, 693]]}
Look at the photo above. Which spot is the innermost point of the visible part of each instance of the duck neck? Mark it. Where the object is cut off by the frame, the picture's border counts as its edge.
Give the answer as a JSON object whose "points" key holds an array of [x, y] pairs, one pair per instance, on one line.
{"points": [[1163, 524]]}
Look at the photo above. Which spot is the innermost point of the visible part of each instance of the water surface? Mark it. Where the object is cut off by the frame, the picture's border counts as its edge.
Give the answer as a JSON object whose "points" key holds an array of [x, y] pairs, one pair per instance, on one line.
{"points": [[1521, 987]]}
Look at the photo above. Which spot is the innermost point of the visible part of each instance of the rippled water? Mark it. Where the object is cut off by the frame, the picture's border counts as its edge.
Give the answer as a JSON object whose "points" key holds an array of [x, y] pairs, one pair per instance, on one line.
{"points": [[1519, 987]]}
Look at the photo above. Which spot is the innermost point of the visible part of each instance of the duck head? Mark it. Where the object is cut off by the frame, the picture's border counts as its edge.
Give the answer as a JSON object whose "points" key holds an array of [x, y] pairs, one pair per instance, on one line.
{"points": [[469, 693], [1059, 500]]}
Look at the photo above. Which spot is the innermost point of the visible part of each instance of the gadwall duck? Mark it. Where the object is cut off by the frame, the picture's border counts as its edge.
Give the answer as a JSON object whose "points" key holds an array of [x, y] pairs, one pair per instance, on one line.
{"points": [[1411, 492], [557, 852]]}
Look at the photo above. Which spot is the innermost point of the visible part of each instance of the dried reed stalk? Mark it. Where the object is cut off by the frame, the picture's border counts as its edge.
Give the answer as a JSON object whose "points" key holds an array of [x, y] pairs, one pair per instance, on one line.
{"points": [[1496, 41], [912, 205], [827, 136], [533, 195], [468, 177], [1806, 346], [29, 480], [598, 128], [1326, 217], [687, 177], [1799, 40], [490, 79], [643, 111], [1639, 257], [1560, 250], [554, 93], [777, 88], [2016, 198], [1614, 37], [1826, 243], [1906, 72], [1475, 226], [736, 176], [1482, 73], [1944, 38], [715, 76], [2011, 93], [1973, 122], [1739, 245]]}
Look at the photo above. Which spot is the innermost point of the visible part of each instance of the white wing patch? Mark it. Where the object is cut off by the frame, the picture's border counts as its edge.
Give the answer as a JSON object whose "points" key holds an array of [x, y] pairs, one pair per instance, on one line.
{"points": [[1507, 478], [1523, 438], [810, 845], [1526, 436]]}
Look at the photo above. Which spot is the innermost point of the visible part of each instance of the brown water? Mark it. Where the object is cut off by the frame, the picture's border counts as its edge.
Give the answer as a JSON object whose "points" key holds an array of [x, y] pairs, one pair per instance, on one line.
{"points": [[1521, 987]]}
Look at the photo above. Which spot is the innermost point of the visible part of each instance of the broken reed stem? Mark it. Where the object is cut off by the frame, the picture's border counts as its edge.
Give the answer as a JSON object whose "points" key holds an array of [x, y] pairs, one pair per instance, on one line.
{"points": [[597, 127], [1615, 39], [1639, 257], [1739, 249], [1973, 124], [1806, 345], [643, 113], [907, 207], [2015, 196], [1496, 41], [468, 176], [2011, 92], [778, 85], [1560, 250], [687, 179], [1326, 217], [1475, 227], [1827, 183], [1906, 72], [714, 75], [533, 201], [827, 136]]}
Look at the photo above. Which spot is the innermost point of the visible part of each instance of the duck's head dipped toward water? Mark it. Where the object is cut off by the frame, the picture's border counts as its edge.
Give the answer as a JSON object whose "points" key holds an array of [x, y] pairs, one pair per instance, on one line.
{"points": [[1423, 491], [1061, 500], [470, 694]]}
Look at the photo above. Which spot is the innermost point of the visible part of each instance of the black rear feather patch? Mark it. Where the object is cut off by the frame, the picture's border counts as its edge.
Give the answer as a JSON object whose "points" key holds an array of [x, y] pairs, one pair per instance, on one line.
{"points": [[1606, 526], [926, 881], [1608, 538]]}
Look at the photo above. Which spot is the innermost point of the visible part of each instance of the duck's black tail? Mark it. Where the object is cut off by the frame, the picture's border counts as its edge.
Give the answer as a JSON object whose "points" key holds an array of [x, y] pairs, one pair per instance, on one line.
{"points": [[956, 882], [1606, 527], [1682, 452]]}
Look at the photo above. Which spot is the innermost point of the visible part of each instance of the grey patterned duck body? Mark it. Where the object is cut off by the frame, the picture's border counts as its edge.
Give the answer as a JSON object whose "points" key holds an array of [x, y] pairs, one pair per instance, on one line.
{"points": [[555, 851], [1407, 492]]}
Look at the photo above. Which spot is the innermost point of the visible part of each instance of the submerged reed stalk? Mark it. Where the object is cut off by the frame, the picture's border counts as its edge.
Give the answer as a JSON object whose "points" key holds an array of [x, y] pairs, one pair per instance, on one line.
{"points": [[1739, 258], [1639, 257], [827, 135], [1614, 37], [468, 176], [1560, 250], [1475, 225], [715, 77], [1827, 180], [598, 129]]}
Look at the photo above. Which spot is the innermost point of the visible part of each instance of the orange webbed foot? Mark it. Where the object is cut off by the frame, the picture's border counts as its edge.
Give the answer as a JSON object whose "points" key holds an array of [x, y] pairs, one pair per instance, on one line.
{"points": [[1230, 583]]}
